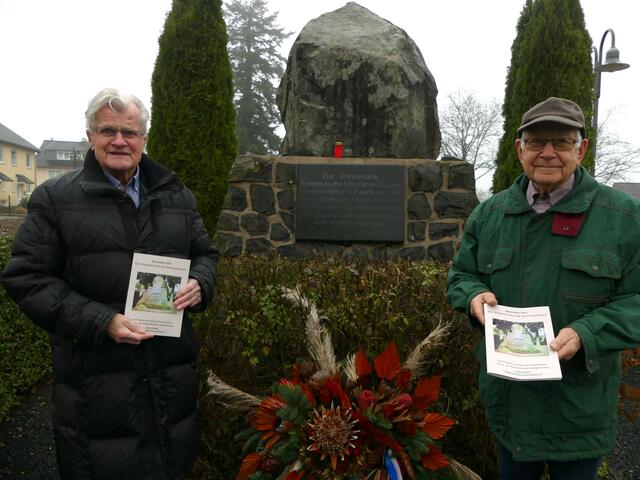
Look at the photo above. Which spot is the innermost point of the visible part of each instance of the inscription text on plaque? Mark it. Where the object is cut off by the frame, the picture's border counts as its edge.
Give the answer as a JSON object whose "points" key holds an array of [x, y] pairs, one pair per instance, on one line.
{"points": [[350, 203]]}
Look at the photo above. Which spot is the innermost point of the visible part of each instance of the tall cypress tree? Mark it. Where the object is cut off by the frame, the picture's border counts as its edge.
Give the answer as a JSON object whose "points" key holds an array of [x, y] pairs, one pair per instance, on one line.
{"points": [[550, 56], [254, 39], [193, 119], [506, 168]]}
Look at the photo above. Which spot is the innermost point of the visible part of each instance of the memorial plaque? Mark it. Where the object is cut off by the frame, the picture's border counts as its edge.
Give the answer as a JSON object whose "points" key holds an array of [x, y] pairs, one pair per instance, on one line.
{"points": [[351, 203]]}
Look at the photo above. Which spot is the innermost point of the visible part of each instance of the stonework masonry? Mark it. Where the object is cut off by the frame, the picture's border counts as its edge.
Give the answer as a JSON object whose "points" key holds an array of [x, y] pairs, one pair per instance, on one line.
{"points": [[258, 216]]}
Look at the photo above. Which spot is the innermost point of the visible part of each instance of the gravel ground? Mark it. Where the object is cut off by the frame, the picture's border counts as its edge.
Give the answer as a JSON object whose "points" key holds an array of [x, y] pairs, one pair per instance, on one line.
{"points": [[27, 451], [26, 440], [624, 463]]}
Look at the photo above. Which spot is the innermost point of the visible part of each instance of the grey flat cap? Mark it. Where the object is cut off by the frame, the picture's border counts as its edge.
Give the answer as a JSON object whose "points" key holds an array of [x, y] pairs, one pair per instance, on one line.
{"points": [[556, 110]]}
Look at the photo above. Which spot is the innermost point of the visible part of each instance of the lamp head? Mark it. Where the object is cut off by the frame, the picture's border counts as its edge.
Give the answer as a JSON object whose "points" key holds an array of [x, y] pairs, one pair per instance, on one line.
{"points": [[612, 62]]}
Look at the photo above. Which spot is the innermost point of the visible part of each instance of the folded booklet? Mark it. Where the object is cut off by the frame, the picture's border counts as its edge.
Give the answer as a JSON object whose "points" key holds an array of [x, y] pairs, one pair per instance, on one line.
{"points": [[517, 341], [154, 283]]}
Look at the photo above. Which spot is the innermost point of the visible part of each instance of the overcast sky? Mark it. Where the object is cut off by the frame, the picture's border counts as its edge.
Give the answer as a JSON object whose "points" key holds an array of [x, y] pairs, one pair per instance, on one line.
{"points": [[55, 55]]}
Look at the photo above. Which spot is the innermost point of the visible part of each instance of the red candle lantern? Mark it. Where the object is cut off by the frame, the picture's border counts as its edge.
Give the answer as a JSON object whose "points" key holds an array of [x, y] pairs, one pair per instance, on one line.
{"points": [[337, 150]]}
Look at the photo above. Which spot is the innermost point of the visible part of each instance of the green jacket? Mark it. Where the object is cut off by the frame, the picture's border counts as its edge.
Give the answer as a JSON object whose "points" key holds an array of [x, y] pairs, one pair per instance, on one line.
{"points": [[589, 277]]}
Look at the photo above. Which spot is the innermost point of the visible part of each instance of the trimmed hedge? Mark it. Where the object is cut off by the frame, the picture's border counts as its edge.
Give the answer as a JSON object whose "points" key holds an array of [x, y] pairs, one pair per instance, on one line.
{"points": [[24, 348], [252, 336]]}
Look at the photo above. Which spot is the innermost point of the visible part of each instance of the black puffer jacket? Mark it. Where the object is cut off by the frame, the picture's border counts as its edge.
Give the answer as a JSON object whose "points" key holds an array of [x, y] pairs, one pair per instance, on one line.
{"points": [[121, 411]]}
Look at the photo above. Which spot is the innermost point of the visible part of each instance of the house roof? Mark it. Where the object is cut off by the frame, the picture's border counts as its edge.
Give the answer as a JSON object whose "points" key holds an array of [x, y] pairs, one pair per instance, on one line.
{"points": [[49, 149], [63, 145], [4, 178], [23, 179], [632, 189], [9, 136]]}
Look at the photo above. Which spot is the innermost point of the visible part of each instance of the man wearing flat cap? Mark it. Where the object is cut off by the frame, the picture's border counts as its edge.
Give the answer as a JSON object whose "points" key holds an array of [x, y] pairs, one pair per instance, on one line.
{"points": [[560, 239]]}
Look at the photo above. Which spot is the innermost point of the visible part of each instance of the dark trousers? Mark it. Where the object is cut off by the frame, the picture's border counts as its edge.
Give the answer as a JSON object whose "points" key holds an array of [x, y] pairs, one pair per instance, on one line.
{"points": [[569, 470]]}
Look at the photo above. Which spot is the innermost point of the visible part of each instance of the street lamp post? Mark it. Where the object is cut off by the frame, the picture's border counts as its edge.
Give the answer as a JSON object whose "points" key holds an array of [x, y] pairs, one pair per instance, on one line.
{"points": [[611, 64]]}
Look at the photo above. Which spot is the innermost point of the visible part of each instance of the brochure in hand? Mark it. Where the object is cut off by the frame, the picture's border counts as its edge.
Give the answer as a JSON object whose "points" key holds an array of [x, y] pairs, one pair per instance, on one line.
{"points": [[517, 341], [154, 283]]}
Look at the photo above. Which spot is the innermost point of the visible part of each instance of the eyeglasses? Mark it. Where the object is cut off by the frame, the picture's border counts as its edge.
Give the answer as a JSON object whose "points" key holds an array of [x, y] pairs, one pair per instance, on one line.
{"points": [[111, 132], [559, 144]]}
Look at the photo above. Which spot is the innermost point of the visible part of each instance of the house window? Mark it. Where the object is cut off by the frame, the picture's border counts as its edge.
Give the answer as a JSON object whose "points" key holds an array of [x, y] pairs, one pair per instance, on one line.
{"points": [[1, 157], [64, 155], [14, 159], [28, 160], [55, 173]]}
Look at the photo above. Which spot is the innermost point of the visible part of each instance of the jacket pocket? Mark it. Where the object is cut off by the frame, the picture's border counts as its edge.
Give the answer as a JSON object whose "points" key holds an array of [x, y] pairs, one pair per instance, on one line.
{"points": [[587, 281], [492, 260], [588, 277], [583, 403], [595, 263], [594, 301]]}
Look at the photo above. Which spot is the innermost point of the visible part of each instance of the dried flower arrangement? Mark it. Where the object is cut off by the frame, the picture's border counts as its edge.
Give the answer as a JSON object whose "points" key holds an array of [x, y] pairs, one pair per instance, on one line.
{"points": [[352, 421]]}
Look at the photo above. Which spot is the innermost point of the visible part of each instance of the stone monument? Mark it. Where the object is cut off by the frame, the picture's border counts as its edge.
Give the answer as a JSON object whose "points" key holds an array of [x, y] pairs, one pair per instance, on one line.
{"points": [[356, 78], [157, 294]]}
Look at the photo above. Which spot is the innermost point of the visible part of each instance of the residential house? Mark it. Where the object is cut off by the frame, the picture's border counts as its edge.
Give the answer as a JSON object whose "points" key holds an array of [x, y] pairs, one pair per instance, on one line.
{"points": [[57, 157], [632, 189], [17, 167]]}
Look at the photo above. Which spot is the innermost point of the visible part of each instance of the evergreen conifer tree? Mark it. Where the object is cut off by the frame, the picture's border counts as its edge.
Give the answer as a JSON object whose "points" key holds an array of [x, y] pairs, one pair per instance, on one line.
{"points": [[550, 56], [193, 120], [254, 39]]}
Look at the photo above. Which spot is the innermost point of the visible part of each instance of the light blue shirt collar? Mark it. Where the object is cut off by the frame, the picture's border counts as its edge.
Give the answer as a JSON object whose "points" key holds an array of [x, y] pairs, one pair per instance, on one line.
{"points": [[132, 188]]}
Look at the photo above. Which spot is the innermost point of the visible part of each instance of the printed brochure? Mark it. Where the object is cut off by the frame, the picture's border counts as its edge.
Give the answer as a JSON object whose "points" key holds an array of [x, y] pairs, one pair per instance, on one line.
{"points": [[154, 283], [517, 341]]}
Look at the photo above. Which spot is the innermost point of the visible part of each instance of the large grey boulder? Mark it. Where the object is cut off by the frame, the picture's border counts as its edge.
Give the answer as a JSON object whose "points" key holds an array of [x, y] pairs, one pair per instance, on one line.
{"points": [[355, 77]]}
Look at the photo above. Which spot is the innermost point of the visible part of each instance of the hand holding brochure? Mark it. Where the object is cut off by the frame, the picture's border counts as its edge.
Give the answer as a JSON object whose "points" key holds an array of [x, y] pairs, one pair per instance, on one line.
{"points": [[154, 283], [517, 343]]}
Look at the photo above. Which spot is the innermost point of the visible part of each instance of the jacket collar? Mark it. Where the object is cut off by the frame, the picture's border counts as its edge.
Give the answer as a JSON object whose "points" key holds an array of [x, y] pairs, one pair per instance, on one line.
{"points": [[152, 174], [576, 201]]}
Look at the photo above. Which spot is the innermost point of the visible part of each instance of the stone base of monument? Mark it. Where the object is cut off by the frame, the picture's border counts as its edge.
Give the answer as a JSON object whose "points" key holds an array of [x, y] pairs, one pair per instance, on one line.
{"points": [[374, 208]]}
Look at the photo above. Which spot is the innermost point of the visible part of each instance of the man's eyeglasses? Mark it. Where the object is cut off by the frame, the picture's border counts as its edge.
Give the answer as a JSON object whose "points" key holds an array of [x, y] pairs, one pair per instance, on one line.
{"points": [[111, 132], [559, 144]]}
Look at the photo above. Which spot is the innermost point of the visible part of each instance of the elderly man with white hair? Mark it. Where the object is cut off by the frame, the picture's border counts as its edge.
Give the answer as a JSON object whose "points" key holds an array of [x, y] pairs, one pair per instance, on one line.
{"points": [[125, 401]]}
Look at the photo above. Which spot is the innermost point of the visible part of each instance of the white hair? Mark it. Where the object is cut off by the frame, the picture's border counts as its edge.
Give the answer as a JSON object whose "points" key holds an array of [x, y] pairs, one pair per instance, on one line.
{"points": [[118, 102]]}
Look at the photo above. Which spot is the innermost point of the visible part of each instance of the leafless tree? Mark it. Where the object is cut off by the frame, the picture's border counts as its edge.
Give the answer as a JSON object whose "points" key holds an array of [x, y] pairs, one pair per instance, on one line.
{"points": [[470, 130], [616, 159]]}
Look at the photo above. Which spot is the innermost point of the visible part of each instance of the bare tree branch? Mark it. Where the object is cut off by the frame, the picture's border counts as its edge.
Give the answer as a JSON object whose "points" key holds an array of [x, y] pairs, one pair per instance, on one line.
{"points": [[616, 159], [470, 130]]}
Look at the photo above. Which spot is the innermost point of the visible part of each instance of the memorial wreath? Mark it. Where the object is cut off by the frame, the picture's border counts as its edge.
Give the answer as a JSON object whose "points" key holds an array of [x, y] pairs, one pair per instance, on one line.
{"points": [[351, 421]]}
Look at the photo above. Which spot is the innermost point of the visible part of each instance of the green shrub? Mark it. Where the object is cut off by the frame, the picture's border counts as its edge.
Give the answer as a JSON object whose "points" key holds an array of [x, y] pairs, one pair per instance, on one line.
{"points": [[252, 336], [24, 347], [19, 210]]}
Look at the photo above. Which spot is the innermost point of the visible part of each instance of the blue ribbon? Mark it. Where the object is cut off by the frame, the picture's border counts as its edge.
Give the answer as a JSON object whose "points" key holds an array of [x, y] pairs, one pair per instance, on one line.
{"points": [[391, 465]]}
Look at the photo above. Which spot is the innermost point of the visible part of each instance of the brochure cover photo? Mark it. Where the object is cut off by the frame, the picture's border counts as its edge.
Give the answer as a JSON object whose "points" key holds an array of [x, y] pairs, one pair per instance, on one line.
{"points": [[154, 283], [517, 343]]}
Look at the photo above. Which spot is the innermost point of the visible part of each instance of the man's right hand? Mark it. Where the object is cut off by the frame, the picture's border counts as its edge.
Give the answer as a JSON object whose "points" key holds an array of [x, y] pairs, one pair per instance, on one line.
{"points": [[476, 307], [123, 330]]}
